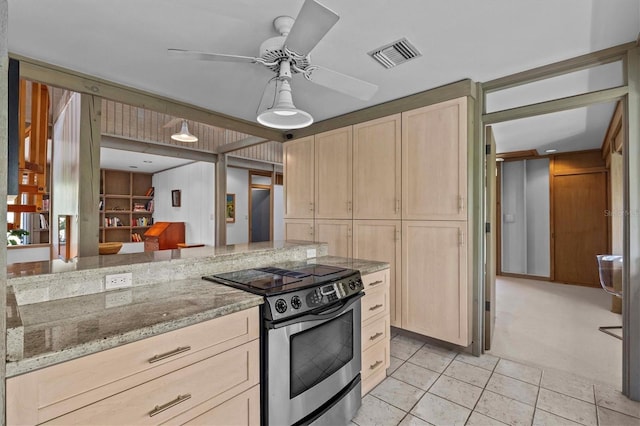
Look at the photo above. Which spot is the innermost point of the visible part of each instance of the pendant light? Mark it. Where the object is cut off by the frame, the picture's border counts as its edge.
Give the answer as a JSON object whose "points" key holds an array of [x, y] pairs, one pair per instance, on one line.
{"points": [[284, 115], [183, 135]]}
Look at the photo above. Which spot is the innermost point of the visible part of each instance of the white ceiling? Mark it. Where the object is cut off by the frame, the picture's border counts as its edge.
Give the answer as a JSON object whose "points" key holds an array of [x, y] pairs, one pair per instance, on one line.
{"points": [[125, 41], [138, 162]]}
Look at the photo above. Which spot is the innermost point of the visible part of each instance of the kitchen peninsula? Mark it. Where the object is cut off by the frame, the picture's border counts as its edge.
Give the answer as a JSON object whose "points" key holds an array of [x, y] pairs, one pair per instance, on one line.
{"points": [[64, 316]]}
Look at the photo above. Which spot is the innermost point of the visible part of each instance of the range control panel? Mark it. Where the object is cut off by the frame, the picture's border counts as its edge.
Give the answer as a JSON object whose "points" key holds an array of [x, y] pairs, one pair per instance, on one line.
{"points": [[291, 304]]}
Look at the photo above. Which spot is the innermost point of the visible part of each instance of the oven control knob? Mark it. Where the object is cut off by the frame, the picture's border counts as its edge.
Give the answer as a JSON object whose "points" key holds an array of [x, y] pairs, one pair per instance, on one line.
{"points": [[281, 305], [352, 285], [296, 303]]}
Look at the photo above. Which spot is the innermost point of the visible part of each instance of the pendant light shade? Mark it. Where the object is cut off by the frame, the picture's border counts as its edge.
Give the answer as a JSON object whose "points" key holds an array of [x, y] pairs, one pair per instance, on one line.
{"points": [[285, 115], [183, 135]]}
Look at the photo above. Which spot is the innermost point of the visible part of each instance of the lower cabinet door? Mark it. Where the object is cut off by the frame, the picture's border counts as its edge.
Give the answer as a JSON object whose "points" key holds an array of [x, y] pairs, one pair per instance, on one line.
{"points": [[241, 410], [160, 400], [436, 298], [375, 362]]}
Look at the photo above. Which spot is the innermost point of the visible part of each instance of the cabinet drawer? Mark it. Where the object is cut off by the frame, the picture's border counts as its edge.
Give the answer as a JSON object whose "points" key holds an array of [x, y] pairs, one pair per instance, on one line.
{"points": [[375, 302], [376, 280], [61, 388], [159, 400], [375, 331], [375, 359], [242, 410]]}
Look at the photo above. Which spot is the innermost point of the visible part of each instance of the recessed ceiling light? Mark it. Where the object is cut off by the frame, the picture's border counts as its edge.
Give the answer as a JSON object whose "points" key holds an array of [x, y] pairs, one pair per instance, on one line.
{"points": [[499, 159], [550, 151], [133, 167], [147, 161]]}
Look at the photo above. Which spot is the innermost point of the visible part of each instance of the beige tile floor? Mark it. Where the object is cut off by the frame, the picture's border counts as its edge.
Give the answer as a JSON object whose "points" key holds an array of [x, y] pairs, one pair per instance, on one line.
{"points": [[428, 384]]}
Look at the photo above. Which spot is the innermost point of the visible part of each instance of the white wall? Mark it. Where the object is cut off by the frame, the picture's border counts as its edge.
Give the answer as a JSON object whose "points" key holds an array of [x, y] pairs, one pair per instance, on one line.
{"points": [[238, 183], [538, 226], [514, 256], [196, 181], [278, 213], [28, 254], [525, 217]]}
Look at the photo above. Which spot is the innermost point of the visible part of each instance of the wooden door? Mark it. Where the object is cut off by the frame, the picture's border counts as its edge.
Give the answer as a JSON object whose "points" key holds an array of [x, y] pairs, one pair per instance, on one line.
{"points": [[380, 240], [579, 226], [434, 162], [333, 179], [298, 164], [338, 233], [436, 300], [376, 168], [490, 240], [298, 229]]}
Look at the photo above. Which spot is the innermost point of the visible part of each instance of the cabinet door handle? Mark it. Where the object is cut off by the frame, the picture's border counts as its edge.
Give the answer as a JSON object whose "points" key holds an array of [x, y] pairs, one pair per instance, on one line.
{"points": [[348, 206], [178, 350], [160, 408], [375, 283], [375, 336], [460, 238], [373, 308], [375, 365], [460, 203], [310, 207], [397, 205]]}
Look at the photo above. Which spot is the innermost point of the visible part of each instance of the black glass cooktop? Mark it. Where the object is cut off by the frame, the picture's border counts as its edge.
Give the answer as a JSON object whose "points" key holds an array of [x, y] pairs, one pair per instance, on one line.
{"points": [[274, 280]]}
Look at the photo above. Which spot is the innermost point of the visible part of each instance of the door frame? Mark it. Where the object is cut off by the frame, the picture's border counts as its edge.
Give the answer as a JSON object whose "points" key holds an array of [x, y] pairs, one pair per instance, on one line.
{"points": [[629, 94], [270, 175]]}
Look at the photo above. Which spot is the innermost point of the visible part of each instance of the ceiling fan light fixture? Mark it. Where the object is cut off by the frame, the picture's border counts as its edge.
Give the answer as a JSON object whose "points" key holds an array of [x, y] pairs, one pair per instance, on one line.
{"points": [[184, 135], [284, 115]]}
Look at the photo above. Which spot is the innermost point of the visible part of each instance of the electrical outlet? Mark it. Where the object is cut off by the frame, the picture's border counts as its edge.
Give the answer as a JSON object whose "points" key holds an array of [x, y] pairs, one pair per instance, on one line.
{"points": [[118, 280], [311, 253]]}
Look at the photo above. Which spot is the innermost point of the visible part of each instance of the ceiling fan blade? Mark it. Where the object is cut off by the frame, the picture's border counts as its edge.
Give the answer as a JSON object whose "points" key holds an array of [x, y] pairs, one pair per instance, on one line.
{"points": [[313, 22], [204, 56], [341, 82]]}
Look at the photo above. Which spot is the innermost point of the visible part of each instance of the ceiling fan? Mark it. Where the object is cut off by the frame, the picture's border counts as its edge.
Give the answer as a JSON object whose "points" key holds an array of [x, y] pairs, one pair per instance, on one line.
{"points": [[288, 54]]}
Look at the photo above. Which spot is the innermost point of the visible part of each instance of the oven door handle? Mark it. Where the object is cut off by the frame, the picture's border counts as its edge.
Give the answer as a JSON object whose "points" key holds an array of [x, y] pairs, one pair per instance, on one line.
{"points": [[320, 315]]}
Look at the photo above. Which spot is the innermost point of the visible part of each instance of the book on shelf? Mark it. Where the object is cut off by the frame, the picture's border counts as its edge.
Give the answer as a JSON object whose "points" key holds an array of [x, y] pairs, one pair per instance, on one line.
{"points": [[149, 206], [136, 238], [44, 221], [149, 192], [112, 222], [139, 207]]}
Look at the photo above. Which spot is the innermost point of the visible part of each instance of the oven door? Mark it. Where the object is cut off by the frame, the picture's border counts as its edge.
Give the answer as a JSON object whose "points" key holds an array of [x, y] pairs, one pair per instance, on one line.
{"points": [[310, 360]]}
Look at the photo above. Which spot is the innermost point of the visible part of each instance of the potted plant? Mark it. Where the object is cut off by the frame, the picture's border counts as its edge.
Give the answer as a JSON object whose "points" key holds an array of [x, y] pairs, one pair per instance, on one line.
{"points": [[15, 236]]}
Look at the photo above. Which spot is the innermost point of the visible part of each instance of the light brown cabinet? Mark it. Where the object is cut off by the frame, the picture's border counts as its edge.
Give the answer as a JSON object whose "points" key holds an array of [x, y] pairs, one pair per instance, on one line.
{"points": [[298, 166], [409, 193], [338, 233], [376, 169], [298, 229], [436, 298], [376, 331], [333, 177], [189, 372], [434, 162], [380, 240]]}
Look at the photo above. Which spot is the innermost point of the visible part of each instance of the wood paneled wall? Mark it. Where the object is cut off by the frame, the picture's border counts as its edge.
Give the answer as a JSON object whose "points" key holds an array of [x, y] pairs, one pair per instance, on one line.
{"points": [[131, 122]]}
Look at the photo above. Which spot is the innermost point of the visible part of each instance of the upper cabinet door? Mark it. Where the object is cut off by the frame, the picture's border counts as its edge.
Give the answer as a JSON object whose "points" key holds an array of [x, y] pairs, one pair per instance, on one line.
{"points": [[333, 174], [376, 169], [434, 162], [298, 164]]}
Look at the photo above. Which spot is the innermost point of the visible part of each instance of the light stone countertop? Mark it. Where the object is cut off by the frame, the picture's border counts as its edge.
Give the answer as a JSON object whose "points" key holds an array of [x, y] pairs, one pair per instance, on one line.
{"points": [[54, 331]]}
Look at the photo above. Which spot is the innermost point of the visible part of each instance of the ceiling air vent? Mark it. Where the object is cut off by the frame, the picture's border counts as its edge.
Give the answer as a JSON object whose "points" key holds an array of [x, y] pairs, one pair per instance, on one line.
{"points": [[395, 53]]}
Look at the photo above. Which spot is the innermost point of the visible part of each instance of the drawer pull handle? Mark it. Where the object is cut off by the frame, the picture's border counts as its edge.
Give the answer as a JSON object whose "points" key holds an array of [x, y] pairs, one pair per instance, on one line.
{"points": [[160, 408], [375, 365], [169, 354], [373, 308], [375, 336], [375, 283]]}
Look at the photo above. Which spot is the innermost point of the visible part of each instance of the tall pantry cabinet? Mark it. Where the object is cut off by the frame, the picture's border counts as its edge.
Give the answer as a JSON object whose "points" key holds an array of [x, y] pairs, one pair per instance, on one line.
{"points": [[394, 189]]}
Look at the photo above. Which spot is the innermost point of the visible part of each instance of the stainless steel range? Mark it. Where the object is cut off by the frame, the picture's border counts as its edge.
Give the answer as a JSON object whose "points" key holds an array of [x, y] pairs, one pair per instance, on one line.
{"points": [[310, 371]]}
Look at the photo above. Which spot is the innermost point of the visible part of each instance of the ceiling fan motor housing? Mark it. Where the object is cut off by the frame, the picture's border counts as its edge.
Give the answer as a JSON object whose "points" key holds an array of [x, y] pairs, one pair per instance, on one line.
{"points": [[272, 50]]}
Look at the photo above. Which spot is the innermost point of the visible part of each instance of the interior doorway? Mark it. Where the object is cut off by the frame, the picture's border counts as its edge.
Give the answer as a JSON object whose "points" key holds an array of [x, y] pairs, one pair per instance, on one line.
{"points": [[260, 206]]}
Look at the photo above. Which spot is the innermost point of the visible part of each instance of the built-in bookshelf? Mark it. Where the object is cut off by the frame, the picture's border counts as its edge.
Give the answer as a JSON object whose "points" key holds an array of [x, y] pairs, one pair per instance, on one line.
{"points": [[126, 205]]}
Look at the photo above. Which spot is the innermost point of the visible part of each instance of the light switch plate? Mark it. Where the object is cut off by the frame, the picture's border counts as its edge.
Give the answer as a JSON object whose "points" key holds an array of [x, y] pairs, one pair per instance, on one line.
{"points": [[311, 253]]}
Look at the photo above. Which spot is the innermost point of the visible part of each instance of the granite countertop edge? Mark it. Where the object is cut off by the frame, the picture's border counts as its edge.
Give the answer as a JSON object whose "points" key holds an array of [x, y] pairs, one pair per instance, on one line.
{"points": [[25, 365]]}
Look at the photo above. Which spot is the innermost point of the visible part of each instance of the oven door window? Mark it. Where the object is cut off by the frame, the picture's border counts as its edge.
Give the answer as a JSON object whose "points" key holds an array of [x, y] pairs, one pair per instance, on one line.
{"points": [[319, 352]]}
